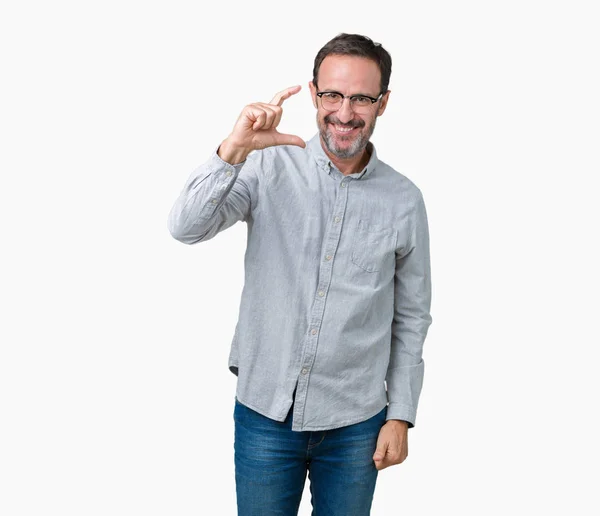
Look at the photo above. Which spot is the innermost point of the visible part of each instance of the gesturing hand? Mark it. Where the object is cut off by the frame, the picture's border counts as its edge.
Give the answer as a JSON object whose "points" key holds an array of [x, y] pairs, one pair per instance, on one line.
{"points": [[256, 128]]}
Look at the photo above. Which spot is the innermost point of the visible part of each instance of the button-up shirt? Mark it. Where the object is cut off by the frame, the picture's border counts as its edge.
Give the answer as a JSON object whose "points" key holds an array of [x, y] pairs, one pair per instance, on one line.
{"points": [[337, 289]]}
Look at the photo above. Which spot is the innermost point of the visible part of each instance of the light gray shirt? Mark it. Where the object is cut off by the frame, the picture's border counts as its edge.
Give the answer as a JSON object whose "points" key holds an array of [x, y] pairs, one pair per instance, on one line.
{"points": [[337, 290]]}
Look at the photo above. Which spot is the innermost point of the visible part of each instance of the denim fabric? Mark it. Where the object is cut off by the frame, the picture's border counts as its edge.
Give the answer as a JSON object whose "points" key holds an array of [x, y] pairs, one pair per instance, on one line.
{"points": [[337, 289], [272, 462]]}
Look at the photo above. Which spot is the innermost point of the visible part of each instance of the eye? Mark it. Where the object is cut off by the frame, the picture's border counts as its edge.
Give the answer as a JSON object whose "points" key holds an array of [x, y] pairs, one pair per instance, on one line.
{"points": [[332, 96], [361, 101]]}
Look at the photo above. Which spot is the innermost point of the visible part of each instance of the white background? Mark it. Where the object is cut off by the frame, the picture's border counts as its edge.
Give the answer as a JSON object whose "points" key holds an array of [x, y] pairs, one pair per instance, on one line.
{"points": [[115, 397]]}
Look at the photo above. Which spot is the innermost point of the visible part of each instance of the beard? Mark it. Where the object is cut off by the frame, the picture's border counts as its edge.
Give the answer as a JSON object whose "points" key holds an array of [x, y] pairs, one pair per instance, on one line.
{"points": [[359, 141]]}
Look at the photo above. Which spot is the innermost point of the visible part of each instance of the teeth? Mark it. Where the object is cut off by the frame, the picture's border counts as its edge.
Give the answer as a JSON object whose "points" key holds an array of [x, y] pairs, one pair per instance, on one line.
{"points": [[343, 129]]}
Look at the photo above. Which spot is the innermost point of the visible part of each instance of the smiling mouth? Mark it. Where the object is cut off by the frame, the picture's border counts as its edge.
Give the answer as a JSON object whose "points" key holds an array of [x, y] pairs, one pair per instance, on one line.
{"points": [[340, 129]]}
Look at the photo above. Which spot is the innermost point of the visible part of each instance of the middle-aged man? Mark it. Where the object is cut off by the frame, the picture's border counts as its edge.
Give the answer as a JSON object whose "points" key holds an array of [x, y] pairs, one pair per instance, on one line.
{"points": [[336, 302]]}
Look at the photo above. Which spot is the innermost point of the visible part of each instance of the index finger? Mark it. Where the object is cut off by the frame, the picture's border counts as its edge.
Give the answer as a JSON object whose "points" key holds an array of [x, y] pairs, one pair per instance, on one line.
{"points": [[285, 94]]}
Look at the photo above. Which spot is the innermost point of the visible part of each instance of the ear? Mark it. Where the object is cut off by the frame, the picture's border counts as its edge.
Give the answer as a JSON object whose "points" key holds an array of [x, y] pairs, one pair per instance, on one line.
{"points": [[383, 102], [313, 93]]}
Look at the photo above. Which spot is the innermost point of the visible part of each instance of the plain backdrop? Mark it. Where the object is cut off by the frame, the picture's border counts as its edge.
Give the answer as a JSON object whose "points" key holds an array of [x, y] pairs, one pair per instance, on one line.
{"points": [[115, 396]]}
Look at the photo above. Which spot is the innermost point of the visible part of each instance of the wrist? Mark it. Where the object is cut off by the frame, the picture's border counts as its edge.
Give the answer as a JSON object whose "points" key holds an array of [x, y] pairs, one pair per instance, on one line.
{"points": [[231, 153], [398, 421]]}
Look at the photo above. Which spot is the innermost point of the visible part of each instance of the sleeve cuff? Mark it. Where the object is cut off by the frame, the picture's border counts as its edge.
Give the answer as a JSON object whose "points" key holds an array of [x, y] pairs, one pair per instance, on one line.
{"points": [[402, 412]]}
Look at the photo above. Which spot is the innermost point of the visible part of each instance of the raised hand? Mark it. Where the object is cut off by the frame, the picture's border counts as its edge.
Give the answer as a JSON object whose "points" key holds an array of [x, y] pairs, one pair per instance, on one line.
{"points": [[256, 128]]}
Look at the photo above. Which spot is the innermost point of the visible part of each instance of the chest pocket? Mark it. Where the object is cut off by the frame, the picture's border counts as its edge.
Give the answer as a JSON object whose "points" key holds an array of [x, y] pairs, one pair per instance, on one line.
{"points": [[373, 247]]}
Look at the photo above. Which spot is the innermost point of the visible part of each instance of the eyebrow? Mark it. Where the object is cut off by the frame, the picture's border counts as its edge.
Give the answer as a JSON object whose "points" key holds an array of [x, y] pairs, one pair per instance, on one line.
{"points": [[353, 95]]}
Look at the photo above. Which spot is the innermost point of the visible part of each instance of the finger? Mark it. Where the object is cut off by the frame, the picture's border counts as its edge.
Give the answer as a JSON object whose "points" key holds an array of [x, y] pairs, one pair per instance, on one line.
{"points": [[271, 113], [251, 115], [380, 464], [285, 94], [381, 448], [277, 110], [289, 139], [259, 123], [278, 113], [262, 117]]}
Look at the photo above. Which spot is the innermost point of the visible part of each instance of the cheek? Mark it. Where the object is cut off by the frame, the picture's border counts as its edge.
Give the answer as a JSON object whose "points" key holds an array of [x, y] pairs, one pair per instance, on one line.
{"points": [[370, 121]]}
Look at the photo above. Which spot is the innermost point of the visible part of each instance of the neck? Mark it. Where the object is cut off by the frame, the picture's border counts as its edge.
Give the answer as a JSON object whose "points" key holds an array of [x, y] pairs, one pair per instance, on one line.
{"points": [[349, 165]]}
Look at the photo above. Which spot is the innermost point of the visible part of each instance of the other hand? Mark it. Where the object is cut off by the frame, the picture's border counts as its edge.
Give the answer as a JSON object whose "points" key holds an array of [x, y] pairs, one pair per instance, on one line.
{"points": [[392, 444]]}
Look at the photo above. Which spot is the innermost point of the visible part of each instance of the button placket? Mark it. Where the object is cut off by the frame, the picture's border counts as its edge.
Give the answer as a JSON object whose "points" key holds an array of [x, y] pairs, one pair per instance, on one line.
{"points": [[325, 274]]}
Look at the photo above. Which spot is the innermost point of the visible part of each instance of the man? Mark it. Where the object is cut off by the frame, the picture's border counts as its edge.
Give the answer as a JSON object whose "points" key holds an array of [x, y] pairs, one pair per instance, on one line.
{"points": [[336, 300]]}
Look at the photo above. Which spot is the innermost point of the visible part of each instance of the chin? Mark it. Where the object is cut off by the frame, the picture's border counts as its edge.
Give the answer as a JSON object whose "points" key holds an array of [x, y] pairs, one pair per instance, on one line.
{"points": [[349, 148], [345, 146]]}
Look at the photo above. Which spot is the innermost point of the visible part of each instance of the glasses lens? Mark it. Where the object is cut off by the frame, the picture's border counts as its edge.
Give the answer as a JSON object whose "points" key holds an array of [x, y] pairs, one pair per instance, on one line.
{"points": [[361, 104], [331, 101]]}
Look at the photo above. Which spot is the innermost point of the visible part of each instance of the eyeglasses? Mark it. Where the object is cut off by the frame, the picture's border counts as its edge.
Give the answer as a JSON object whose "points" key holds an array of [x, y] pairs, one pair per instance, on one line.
{"points": [[333, 100]]}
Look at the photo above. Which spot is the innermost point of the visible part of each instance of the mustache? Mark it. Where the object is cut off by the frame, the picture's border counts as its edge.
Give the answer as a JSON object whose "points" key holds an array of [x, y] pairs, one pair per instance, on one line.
{"points": [[353, 123]]}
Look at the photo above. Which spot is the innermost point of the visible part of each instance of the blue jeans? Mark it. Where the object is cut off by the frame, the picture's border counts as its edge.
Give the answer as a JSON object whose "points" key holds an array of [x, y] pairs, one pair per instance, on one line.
{"points": [[271, 463]]}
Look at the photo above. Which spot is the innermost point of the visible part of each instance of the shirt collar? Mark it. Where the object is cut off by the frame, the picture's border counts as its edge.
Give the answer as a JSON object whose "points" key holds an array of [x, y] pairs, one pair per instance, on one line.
{"points": [[316, 149]]}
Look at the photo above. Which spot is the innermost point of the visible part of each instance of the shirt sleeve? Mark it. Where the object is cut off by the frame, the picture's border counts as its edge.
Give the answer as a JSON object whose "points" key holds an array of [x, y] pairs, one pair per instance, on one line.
{"points": [[215, 196], [412, 318]]}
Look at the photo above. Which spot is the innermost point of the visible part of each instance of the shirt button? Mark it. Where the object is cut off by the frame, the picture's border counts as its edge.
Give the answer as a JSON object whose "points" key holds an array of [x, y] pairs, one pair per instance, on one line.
{"points": [[328, 257], [304, 371], [321, 293], [343, 185], [337, 219], [229, 172], [314, 331], [214, 201]]}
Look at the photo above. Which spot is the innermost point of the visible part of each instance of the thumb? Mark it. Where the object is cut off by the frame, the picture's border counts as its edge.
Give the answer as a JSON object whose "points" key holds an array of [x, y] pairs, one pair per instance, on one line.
{"points": [[379, 452], [289, 139]]}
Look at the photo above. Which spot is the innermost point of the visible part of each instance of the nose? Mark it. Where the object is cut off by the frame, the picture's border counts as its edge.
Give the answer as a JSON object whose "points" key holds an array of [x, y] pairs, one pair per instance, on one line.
{"points": [[345, 113]]}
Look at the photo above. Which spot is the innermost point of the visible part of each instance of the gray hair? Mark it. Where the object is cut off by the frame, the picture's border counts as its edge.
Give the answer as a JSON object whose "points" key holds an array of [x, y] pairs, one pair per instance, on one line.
{"points": [[356, 45]]}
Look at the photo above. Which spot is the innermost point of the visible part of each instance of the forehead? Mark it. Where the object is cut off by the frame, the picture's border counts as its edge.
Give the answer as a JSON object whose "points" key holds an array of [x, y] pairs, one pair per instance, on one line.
{"points": [[349, 74]]}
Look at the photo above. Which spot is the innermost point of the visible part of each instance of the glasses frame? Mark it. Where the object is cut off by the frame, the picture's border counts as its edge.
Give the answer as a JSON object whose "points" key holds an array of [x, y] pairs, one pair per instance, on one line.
{"points": [[373, 100]]}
